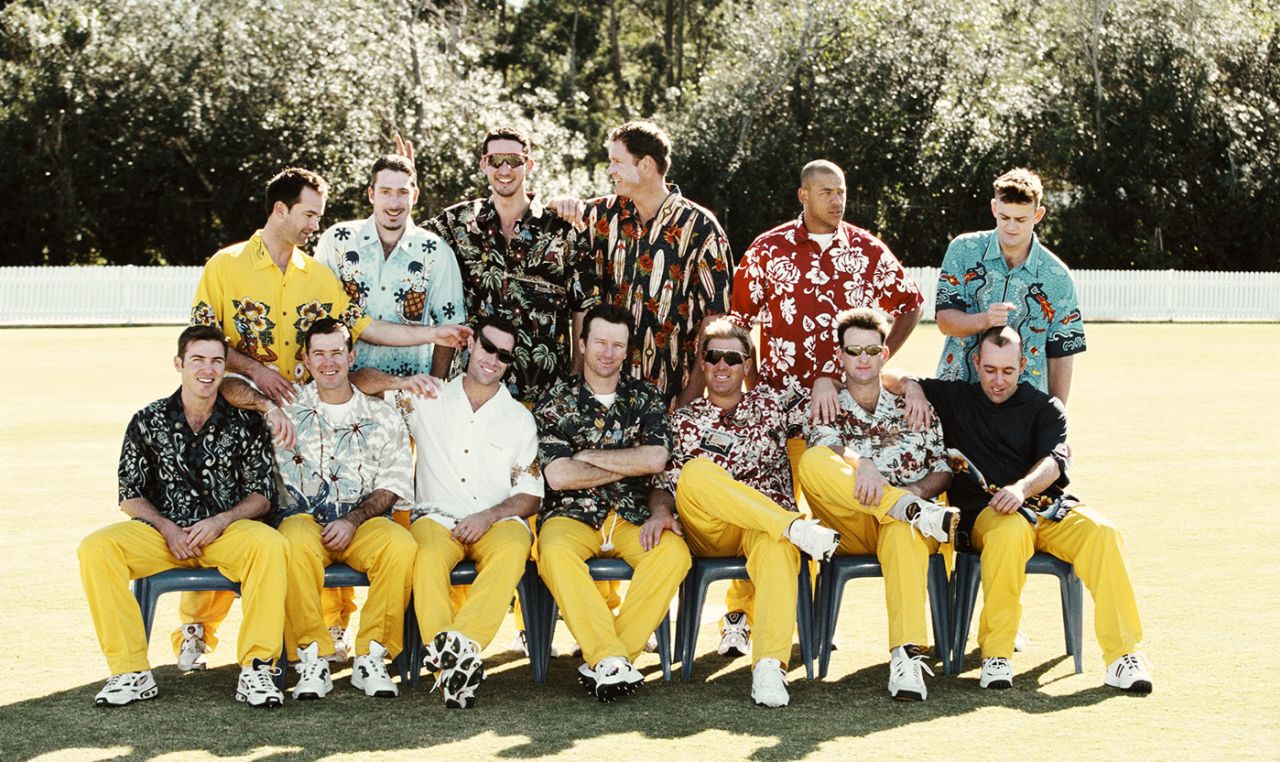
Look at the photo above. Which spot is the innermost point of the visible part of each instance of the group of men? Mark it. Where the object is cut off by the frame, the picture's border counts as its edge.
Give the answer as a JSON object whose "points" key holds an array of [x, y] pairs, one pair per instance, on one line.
{"points": [[578, 379]]}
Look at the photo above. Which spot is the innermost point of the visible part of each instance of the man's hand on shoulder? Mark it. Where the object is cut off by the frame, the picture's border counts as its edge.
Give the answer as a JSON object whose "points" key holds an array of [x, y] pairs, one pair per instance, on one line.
{"points": [[271, 383], [421, 385], [919, 412], [569, 209], [282, 429], [824, 402]]}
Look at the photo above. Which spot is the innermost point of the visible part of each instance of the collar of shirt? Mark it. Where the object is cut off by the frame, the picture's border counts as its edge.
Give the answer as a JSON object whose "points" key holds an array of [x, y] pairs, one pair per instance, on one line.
{"points": [[1034, 257], [841, 233], [257, 249], [217, 418], [371, 244], [309, 397], [487, 215], [885, 405]]}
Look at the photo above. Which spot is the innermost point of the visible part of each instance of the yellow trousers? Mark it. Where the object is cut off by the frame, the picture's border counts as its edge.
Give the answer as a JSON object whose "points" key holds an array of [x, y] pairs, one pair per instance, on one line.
{"points": [[723, 517], [565, 544], [500, 556], [610, 589], [828, 481], [210, 608], [381, 549], [1084, 539], [248, 552]]}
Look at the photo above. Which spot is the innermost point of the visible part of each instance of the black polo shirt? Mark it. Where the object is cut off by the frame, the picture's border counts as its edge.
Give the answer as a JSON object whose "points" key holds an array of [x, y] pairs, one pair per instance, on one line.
{"points": [[1001, 441]]}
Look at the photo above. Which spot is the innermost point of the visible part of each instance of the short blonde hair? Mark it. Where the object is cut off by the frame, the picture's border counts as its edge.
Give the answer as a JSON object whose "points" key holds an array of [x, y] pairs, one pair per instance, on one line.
{"points": [[725, 328]]}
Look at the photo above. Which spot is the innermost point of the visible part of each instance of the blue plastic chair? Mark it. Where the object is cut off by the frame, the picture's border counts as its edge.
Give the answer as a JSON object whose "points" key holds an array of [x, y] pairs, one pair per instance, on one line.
{"points": [[693, 595], [968, 578], [835, 573], [540, 631]]}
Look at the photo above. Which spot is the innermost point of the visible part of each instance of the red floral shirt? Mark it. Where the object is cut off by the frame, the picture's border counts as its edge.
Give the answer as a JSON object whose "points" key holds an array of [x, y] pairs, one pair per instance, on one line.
{"points": [[795, 290]]}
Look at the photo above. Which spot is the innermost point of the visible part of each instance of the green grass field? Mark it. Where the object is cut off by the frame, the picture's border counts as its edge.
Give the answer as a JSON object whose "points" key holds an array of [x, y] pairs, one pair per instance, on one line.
{"points": [[1174, 429]]}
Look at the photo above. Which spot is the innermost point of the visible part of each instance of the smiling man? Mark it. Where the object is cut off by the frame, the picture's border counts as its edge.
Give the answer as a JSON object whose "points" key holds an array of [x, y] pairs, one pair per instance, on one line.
{"points": [[729, 481], [1009, 442], [195, 473], [1006, 277], [351, 465]]}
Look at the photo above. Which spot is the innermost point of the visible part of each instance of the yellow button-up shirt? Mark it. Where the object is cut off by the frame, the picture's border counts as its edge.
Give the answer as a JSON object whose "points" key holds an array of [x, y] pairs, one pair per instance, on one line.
{"points": [[264, 312]]}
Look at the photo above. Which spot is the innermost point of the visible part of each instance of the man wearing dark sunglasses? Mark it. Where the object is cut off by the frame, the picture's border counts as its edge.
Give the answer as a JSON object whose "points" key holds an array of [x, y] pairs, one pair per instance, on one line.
{"points": [[477, 482], [729, 480], [873, 477]]}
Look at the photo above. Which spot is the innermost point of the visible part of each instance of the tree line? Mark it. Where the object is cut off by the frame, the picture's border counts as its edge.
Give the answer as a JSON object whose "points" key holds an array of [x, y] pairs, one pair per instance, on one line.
{"points": [[142, 131]]}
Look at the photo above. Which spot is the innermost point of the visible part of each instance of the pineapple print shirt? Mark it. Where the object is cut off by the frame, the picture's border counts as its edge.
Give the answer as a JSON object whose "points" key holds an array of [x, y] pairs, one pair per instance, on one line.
{"points": [[669, 272], [418, 283], [264, 312], [537, 280]]}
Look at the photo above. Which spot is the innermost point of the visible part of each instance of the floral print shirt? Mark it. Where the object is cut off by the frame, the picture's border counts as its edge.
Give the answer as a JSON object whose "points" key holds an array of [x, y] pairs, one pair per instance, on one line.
{"points": [[264, 312], [975, 276], [537, 280], [749, 441], [570, 418], [188, 476], [902, 456], [417, 283], [670, 272], [794, 288], [343, 453]]}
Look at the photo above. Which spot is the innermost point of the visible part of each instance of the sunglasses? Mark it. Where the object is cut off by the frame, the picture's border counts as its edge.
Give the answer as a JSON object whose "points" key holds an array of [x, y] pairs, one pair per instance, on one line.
{"points": [[731, 357], [513, 160], [853, 350], [503, 355]]}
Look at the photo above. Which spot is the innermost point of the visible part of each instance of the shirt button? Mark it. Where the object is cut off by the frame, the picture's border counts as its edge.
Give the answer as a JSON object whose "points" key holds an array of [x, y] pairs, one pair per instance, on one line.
{"points": [[464, 478], [466, 452], [384, 288]]}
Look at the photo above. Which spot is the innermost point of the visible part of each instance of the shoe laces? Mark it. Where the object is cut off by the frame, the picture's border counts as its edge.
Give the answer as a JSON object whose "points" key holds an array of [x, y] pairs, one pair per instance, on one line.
{"points": [[120, 681], [260, 679], [377, 667], [913, 662], [993, 663], [1137, 660], [312, 669]]}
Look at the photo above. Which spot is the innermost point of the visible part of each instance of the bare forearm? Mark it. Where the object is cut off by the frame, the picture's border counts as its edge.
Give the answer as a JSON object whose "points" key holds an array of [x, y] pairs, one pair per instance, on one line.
{"points": [[568, 474], [398, 334], [953, 322], [519, 505], [239, 362], [641, 460], [1041, 476], [1060, 370], [903, 325], [374, 382], [254, 506], [933, 484], [661, 500], [141, 508], [895, 380], [238, 393], [375, 504]]}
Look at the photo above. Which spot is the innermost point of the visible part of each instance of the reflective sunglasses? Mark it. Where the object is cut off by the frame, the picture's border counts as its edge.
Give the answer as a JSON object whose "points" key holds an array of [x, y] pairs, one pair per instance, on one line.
{"points": [[503, 355], [853, 350], [731, 357], [513, 160]]}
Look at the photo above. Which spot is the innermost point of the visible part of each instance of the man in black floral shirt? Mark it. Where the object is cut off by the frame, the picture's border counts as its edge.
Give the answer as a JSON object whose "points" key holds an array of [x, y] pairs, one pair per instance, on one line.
{"points": [[522, 263], [602, 435], [194, 474]]}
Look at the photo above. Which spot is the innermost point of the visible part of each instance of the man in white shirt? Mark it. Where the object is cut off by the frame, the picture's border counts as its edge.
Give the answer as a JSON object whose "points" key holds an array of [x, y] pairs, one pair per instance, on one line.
{"points": [[477, 482]]}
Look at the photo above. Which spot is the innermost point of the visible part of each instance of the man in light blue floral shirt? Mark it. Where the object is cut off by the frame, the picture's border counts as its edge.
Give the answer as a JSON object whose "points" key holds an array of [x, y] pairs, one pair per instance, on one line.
{"points": [[1006, 277]]}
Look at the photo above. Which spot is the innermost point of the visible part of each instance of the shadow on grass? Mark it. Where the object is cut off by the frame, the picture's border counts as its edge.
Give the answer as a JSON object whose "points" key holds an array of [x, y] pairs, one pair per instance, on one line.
{"points": [[514, 718]]}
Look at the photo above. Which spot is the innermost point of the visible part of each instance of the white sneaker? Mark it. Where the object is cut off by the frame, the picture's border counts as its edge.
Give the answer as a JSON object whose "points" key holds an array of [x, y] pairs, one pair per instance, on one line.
{"points": [[997, 672], [651, 645], [314, 681], [457, 660], [813, 538], [735, 635], [126, 688], [369, 673], [906, 673], [257, 688], [769, 684], [1019, 642], [191, 653], [341, 645], [936, 521], [612, 678], [1129, 673]]}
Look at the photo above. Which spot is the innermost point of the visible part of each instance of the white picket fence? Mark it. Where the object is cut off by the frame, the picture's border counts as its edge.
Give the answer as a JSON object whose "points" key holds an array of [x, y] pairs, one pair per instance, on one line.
{"points": [[162, 295]]}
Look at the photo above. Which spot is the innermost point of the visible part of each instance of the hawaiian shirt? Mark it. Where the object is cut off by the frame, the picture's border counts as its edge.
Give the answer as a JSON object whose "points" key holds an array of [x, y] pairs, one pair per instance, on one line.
{"points": [[975, 276], [189, 476], [902, 456], [417, 284], [264, 312], [343, 453], [670, 272], [749, 441], [794, 288], [570, 418], [536, 281]]}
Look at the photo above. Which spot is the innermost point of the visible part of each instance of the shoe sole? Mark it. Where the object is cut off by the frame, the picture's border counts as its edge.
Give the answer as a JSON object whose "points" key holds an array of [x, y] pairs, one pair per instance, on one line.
{"points": [[769, 706], [998, 685], [270, 703], [732, 653], [384, 693], [149, 693], [1142, 687], [902, 695]]}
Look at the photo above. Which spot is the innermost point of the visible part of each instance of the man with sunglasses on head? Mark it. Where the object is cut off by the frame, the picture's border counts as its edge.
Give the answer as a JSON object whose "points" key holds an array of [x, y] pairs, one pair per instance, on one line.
{"points": [[729, 481], [478, 481], [1006, 277], [873, 477]]}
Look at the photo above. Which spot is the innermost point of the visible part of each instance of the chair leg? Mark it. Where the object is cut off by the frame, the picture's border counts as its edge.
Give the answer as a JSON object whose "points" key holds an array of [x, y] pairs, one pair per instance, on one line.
{"points": [[682, 602], [1076, 621], [664, 647], [968, 579], [940, 611], [826, 615], [804, 619], [540, 623], [146, 603], [692, 620], [409, 662]]}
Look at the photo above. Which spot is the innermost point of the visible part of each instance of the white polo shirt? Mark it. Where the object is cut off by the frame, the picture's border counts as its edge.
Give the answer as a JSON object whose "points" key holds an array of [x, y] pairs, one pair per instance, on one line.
{"points": [[469, 461]]}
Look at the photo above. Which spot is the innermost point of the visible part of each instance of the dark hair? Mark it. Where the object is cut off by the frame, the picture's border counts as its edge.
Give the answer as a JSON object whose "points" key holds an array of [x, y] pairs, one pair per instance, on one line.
{"points": [[322, 327], [643, 139], [1019, 186], [1000, 336], [609, 313], [504, 133], [498, 322], [816, 166], [861, 317], [287, 186], [395, 163], [200, 333]]}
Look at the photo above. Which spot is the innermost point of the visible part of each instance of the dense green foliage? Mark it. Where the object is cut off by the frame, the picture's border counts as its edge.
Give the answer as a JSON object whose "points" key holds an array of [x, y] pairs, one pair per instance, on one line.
{"points": [[141, 131]]}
